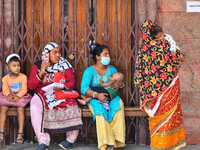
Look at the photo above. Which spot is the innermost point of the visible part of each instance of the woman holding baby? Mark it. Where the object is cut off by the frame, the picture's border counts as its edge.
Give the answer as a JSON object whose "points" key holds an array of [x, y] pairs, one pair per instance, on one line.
{"points": [[110, 123]]}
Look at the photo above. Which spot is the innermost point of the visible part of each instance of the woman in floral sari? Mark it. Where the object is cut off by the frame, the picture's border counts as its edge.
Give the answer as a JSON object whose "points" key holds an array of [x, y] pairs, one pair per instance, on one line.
{"points": [[156, 73]]}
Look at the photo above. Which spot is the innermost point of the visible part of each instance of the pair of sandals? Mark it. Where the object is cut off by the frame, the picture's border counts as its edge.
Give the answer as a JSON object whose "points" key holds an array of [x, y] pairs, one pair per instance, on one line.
{"points": [[64, 145], [19, 140]]}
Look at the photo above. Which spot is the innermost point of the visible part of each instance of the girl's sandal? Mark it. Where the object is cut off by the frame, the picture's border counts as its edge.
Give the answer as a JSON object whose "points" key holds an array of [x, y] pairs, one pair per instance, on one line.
{"points": [[4, 134], [20, 140]]}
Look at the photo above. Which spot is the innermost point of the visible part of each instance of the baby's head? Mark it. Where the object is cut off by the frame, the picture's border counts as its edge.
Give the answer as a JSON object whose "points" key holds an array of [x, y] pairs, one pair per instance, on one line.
{"points": [[157, 33], [117, 76], [13, 64]]}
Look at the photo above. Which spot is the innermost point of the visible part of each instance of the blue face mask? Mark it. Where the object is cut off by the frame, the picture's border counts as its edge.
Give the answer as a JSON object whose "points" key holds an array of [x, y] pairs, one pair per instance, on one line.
{"points": [[105, 60], [12, 73]]}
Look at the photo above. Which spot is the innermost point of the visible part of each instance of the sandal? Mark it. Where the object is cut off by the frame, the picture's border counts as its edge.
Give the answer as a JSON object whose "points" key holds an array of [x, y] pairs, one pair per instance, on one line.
{"points": [[110, 147], [4, 134], [65, 145], [20, 140], [42, 147]]}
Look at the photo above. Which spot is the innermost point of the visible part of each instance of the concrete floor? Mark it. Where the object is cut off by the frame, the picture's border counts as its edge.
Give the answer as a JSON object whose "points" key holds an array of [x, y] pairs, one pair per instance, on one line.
{"points": [[29, 146]]}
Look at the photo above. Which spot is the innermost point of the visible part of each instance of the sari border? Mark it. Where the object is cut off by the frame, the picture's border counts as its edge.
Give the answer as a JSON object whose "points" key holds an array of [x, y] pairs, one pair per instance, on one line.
{"points": [[176, 146], [163, 121], [43, 104], [171, 132]]}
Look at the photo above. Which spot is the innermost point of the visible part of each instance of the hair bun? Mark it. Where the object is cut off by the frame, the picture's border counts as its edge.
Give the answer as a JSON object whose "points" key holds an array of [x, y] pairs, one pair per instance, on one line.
{"points": [[92, 47]]}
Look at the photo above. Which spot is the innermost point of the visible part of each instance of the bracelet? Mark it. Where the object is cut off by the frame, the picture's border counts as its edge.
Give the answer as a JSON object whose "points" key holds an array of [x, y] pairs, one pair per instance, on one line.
{"points": [[122, 86], [94, 94]]}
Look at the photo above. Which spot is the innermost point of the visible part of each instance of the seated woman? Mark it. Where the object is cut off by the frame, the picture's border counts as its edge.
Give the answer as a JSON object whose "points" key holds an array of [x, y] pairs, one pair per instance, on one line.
{"points": [[110, 123], [47, 113]]}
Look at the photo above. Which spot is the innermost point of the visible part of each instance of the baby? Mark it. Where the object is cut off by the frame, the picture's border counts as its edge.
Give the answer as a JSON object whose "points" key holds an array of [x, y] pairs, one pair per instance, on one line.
{"points": [[106, 87], [158, 33]]}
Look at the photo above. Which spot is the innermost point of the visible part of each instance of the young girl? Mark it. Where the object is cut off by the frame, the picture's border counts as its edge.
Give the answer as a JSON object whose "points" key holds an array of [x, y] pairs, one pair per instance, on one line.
{"points": [[14, 87]]}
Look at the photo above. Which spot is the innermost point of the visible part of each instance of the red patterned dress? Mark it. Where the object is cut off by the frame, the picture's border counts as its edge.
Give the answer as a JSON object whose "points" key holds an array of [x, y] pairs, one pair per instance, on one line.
{"points": [[63, 117]]}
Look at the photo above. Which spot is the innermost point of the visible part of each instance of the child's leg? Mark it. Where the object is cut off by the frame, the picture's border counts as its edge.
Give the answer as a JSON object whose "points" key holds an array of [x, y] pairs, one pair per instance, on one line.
{"points": [[3, 112], [84, 99], [21, 118]]}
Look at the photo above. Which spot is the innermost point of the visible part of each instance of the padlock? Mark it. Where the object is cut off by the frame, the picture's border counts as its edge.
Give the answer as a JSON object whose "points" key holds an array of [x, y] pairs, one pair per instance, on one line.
{"points": [[72, 56]]}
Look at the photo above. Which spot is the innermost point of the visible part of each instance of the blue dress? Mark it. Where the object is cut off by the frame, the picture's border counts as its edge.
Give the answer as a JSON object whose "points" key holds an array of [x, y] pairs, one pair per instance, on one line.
{"points": [[91, 79]]}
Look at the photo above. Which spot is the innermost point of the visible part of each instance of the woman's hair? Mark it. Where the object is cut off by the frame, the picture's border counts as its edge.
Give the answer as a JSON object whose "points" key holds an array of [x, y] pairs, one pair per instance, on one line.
{"points": [[14, 58], [96, 50], [155, 31]]}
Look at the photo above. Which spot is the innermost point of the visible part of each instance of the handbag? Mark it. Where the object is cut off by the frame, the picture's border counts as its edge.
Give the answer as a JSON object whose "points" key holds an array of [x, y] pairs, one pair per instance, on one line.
{"points": [[59, 77]]}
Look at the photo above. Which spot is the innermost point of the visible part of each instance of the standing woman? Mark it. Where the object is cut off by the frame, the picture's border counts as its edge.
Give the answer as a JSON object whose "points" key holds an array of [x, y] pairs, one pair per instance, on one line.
{"points": [[110, 125], [49, 115], [157, 74]]}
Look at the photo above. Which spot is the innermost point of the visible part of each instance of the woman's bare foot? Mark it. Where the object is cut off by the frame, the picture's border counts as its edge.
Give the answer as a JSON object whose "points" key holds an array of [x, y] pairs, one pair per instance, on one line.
{"points": [[84, 97], [82, 101]]}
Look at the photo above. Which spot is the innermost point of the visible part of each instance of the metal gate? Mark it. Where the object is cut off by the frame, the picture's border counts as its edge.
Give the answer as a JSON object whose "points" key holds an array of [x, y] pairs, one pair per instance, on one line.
{"points": [[28, 25]]}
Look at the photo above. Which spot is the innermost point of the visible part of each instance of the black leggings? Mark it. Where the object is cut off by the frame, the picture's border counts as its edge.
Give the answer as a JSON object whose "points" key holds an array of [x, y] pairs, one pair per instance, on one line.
{"points": [[101, 90]]}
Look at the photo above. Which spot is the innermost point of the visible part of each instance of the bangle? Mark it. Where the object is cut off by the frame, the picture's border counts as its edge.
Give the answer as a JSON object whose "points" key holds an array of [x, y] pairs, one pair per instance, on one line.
{"points": [[122, 86], [94, 94]]}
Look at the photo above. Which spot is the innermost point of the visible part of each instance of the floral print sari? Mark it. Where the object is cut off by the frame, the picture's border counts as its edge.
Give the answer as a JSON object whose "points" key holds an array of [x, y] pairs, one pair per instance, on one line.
{"points": [[157, 73]]}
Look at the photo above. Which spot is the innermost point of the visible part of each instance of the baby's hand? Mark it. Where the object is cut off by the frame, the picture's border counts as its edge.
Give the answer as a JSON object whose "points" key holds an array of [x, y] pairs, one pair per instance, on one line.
{"points": [[113, 80], [10, 97], [173, 53], [117, 85], [182, 57], [16, 99], [101, 82]]}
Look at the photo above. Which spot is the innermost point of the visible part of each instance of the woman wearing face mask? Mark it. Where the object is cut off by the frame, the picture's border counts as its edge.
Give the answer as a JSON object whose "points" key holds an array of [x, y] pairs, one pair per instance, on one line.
{"points": [[110, 123]]}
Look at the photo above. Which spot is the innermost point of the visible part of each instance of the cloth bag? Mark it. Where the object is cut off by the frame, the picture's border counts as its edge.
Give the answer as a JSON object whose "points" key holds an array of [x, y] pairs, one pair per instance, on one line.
{"points": [[60, 78], [23, 101]]}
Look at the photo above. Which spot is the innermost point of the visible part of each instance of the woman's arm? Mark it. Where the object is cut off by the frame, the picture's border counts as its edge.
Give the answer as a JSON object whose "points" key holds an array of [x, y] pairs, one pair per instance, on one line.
{"points": [[86, 81], [34, 80]]}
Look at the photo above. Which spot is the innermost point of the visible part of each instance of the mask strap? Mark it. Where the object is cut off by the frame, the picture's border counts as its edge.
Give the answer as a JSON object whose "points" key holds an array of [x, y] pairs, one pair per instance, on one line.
{"points": [[12, 73]]}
